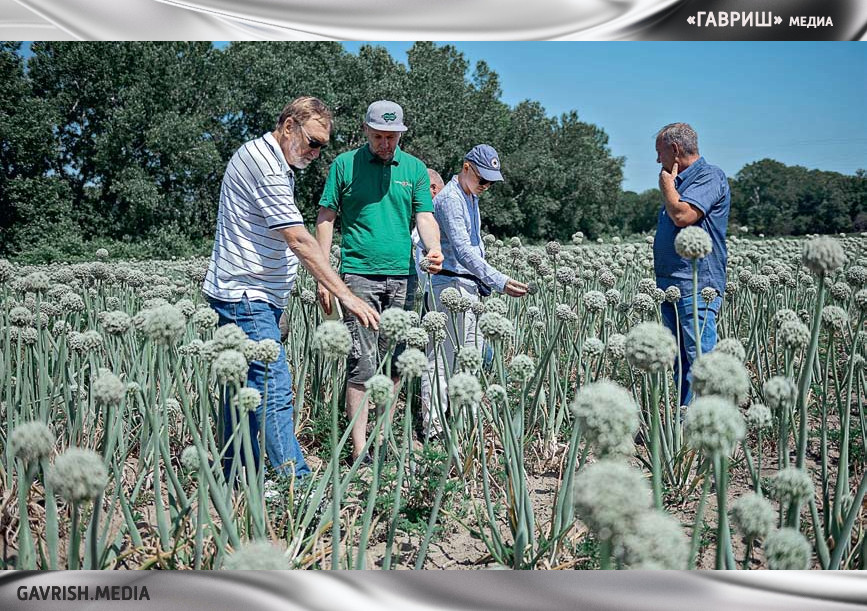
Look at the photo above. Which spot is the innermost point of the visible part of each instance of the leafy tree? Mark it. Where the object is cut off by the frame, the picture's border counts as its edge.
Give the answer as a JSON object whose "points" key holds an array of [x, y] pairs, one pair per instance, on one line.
{"points": [[773, 198], [139, 129], [637, 212], [857, 186], [128, 142], [35, 202]]}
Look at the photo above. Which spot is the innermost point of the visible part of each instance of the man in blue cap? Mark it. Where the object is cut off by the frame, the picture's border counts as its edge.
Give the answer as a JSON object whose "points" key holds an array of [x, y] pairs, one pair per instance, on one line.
{"points": [[456, 209]]}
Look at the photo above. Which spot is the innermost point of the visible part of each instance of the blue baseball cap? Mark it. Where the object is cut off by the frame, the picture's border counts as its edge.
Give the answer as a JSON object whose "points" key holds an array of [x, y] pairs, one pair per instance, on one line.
{"points": [[486, 160]]}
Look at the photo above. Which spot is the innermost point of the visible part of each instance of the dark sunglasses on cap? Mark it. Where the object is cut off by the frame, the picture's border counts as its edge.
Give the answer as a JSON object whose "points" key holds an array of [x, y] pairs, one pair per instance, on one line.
{"points": [[312, 142], [483, 182]]}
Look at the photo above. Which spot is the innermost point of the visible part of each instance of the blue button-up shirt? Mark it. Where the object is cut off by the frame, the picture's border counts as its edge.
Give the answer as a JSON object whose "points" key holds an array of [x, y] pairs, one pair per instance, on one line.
{"points": [[461, 239], [705, 187]]}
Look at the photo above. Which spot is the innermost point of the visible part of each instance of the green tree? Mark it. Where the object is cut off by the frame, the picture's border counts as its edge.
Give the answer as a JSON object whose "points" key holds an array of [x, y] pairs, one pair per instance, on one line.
{"points": [[140, 132], [857, 186], [36, 203], [637, 212], [773, 198], [129, 141]]}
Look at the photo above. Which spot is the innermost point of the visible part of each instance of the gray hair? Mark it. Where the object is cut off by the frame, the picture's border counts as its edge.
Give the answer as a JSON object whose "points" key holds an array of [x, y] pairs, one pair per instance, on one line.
{"points": [[435, 177], [303, 109], [681, 134]]}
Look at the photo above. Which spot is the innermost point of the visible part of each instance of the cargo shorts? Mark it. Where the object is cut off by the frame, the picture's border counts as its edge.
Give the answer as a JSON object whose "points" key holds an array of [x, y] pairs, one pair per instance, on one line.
{"points": [[368, 346]]}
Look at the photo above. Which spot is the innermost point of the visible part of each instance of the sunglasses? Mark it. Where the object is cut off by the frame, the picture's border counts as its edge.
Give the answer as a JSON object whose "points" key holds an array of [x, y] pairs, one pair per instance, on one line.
{"points": [[312, 142], [483, 182]]}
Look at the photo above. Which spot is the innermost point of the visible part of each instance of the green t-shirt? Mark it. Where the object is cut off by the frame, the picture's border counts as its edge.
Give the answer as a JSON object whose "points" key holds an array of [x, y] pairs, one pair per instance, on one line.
{"points": [[377, 202]]}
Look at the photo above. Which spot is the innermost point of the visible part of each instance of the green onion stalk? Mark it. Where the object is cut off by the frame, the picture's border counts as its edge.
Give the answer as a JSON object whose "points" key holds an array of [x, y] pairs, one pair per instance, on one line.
{"points": [[218, 499], [545, 363], [156, 436], [438, 497], [254, 494], [845, 414], [842, 543], [724, 555], [651, 400], [563, 515], [93, 555], [52, 537], [807, 372], [380, 453], [398, 492], [695, 308], [73, 557], [26, 548], [703, 468], [301, 540], [335, 471], [498, 549]]}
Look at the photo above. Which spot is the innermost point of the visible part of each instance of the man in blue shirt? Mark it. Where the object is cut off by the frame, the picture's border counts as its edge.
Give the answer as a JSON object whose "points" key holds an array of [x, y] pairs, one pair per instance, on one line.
{"points": [[456, 209], [694, 193]]}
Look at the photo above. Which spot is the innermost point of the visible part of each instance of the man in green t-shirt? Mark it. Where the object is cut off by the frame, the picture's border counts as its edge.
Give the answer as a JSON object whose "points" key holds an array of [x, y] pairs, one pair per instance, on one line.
{"points": [[377, 190]]}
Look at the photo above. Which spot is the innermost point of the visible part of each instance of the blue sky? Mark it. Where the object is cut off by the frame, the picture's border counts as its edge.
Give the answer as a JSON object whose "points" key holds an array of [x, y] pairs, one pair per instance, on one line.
{"points": [[799, 103]]}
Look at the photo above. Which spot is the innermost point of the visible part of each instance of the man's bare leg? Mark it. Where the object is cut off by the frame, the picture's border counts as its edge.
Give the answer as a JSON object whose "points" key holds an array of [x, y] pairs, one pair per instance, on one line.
{"points": [[354, 397]]}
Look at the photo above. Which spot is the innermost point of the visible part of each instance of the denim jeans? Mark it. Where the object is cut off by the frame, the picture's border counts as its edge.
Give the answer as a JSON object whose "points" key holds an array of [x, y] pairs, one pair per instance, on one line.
{"points": [[260, 320], [707, 314]]}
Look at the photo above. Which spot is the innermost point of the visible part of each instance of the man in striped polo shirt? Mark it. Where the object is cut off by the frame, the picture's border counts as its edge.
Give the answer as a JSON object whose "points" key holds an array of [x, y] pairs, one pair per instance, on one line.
{"points": [[259, 241], [378, 190]]}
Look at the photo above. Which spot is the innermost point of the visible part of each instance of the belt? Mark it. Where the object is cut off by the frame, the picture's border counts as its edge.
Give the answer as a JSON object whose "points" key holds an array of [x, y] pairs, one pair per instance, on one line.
{"points": [[484, 289]]}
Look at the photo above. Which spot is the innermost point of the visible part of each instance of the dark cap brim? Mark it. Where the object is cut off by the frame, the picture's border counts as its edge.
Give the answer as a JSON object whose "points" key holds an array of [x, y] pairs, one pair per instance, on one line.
{"points": [[487, 174]]}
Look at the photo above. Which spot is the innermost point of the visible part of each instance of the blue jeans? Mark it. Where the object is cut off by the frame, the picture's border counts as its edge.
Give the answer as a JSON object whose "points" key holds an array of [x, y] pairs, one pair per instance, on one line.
{"points": [[707, 314], [260, 320]]}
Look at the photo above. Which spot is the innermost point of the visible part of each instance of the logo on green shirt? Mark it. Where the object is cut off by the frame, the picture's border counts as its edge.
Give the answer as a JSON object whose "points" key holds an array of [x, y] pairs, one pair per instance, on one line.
{"points": [[403, 183], [389, 116]]}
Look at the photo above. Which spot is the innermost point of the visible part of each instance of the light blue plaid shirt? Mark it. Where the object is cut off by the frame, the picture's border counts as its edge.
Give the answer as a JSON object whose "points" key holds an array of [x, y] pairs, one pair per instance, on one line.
{"points": [[461, 239]]}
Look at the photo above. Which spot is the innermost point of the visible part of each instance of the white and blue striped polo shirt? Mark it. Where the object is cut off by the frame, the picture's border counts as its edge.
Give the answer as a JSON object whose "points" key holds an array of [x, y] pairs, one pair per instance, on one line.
{"points": [[257, 198]]}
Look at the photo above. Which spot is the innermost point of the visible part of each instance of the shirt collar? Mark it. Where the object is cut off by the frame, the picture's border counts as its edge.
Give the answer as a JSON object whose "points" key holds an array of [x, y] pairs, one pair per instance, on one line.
{"points": [[278, 152], [374, 159], [470, 198], [689, 172]]}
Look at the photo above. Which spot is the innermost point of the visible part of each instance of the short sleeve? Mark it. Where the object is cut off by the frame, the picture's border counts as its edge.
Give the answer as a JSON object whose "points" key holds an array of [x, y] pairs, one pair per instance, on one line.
{"points": [[703, 192], [331, 193], [421, 200], [275, 198]]}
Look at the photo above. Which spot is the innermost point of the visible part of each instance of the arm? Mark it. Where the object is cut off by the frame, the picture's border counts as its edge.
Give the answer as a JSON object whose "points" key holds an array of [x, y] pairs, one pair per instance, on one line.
{"points": [[452, 224], [312, 258], [325, 229], [329, 204], [429, 232], [681, 213], [324, 237]]}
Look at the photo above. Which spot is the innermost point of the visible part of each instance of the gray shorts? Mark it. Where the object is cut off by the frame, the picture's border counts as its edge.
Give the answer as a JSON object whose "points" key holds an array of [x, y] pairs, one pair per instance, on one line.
{"points": [[381, 292]]}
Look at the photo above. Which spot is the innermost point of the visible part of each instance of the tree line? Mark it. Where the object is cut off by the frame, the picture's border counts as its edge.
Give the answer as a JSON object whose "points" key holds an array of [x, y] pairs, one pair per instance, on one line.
{"points": [[125, 144]]}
